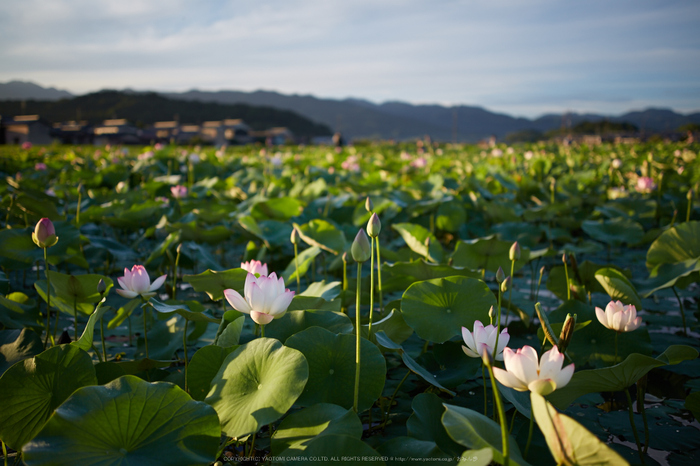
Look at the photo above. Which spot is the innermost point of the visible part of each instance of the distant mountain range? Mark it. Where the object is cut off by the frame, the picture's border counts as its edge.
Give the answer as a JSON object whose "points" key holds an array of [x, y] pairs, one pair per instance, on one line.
{"points": [[356, 118]]}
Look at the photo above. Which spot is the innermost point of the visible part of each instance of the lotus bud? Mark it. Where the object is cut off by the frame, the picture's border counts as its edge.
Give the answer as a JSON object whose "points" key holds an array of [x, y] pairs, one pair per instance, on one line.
{"points": [[294, 238], [486, 357], [345, 257], [374, 226], [492, 314], [500, 275], [563, 258], [101, 286], [514, 253], [360, 249], [369, 205], [567, 331], [689, 196], [505, 285], [44, 234]]}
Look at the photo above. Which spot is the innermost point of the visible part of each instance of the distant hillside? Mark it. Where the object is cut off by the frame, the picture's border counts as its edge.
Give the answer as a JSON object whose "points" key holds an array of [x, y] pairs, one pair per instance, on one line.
{"points": [[23, 90], [357, 118], [146, 108]]}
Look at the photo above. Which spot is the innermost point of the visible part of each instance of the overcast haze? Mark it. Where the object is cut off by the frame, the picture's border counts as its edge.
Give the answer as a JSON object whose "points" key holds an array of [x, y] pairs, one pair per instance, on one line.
{"points": [[524, 58]]}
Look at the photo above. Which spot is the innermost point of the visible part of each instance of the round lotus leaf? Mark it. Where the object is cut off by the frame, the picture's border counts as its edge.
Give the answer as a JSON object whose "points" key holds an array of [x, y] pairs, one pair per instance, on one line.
{"points": [[203, 367], [489, 254], [676, 244], [331, 359], [298, 429], [31, 389], [322, 234], [438, 309], [127, 422], [616, 231], [256, 385]]}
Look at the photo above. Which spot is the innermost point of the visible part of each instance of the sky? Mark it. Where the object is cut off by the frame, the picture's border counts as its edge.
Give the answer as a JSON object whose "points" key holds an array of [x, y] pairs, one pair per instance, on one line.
{"points": [[520, 57]]}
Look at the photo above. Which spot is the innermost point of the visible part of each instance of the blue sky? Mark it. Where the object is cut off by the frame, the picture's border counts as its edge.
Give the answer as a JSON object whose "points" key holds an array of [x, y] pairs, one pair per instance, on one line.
{"points": [[521, 57]]}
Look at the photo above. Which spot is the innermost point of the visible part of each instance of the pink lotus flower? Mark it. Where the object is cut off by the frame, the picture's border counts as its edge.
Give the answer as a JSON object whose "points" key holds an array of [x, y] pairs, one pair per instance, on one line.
{"points": [[40, 166], [136, 282], [619, 317], [265, 298], [44, 234], [255, 267], [26, 145], [484, 338], [524, 372], [645, 184], [420, 162], [178, 191]]}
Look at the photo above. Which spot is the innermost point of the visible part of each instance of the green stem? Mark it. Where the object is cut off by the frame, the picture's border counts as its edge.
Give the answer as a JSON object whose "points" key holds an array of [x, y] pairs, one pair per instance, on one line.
{"points": [[355, 405], [510, 288], [296, 264], [680, 304], [371, 289], [498, 324], [641, 389], [102, 337], [75, 318], [145, 328], [690, 206], [501, 416], [616, 335], [391, 401], [486, 395], [568, 287], [539, 282], [262, 331], [252, 446], [379, 277], [529, 432], [77, 210], [128, 320], [184, 345], [48, 299], [4, 451], [634, 427]]}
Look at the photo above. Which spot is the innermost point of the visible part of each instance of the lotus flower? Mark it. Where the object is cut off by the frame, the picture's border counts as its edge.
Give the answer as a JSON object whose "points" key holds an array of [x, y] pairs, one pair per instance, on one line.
{"points": [[619, 317], [645, 184], [255, 267], [484, 338], [265, 298], [524, 372], [178, 191], [44, 234], [136, 282]]}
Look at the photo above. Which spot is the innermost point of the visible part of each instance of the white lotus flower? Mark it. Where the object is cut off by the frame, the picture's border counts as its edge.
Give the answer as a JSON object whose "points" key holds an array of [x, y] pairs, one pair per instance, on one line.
{"points": [[484, 338], [136, 282], [524, 372], [265, 298], [254, 267], [619, 317]]}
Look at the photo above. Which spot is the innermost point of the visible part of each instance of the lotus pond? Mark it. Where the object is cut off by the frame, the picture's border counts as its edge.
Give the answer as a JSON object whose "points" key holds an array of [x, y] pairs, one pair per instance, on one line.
{"points": [[131, 334]]}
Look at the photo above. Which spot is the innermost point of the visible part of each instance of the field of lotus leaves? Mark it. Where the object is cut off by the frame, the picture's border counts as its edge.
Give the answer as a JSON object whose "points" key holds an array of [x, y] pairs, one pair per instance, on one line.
{"points": [[375, 304]]}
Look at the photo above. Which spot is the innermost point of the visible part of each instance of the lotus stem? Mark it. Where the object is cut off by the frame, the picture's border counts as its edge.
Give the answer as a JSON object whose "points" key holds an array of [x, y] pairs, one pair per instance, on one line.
{"points": [[128, 321], [262, 331], [102, 337], [184, 345], [371, 289], [529, 432], [75, 317], [379, 276], [393, 395], [4, 451], [80, 200], [145, 328], [252, 446], [296, 264], [641, 389], [634, 427], [501, 413], [358, 337], [617, 334], [48, 299], [486, 395], [690, 205], [175, 266], [680, 304], [498, 323], [510, 288], [566, 272], [539, 282]]}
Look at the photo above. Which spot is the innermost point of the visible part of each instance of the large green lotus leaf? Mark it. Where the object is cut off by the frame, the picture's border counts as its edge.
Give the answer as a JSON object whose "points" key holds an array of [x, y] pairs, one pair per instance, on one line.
{"points": [[165, 337], [401, 450], [416, 237], [488, 254], [293, 322], [114, 248], [450, 216], [127, 422], [618, 287], [327, 291], [304, 258], [322, 234], [195, 232], [298, 429], [615, 231], [568, 441], [280, 208], [677, 244], [231, 333], [594, 343], [33, 388], [426, 423], [400, 275], [334, 447], [619, 376], [256, 385], [438, 309], [203, 367], [667, 275], [214, 283], [331, 359], [385, 341], [16, 345], [476, 431], [73, 291], [18, 251], [526, 234], [692, 403], [249, 224], [18, 311]]}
